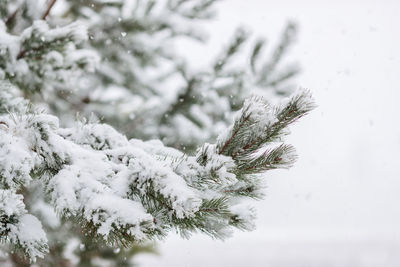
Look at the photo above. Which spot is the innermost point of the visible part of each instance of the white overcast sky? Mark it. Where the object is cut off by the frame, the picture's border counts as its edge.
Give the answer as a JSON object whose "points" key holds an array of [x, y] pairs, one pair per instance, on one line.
{"points": [[339, 205]]}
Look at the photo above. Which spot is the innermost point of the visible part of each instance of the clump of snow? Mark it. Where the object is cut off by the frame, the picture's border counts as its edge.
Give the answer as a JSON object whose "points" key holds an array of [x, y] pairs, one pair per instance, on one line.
{"points": [[20, 228], [112, 212], [40, 31], [31, 236], [146, 173], [98, 136], [16, 159], [11, 204]]}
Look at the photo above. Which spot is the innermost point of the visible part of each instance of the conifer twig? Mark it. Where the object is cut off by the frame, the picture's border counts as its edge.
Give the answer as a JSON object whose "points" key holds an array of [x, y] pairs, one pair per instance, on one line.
{"points": [[48, 9], [11, 17], [233, 135]]}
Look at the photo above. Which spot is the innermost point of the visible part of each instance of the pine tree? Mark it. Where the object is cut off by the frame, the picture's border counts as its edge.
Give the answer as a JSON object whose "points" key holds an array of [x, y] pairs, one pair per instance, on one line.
{"points": [[98, 192]]}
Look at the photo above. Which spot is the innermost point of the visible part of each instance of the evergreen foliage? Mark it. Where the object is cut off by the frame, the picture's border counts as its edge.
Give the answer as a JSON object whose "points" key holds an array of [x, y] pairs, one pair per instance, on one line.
{"points": [[74, 190]]}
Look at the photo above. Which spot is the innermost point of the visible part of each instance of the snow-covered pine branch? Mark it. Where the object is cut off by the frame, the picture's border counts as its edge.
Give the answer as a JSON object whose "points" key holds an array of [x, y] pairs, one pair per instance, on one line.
{"points": [[124, 191], [118, 61]]}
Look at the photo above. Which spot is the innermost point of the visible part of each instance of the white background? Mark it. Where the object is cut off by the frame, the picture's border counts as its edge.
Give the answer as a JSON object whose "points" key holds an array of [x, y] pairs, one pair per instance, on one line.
{"points": [[339, 205]]}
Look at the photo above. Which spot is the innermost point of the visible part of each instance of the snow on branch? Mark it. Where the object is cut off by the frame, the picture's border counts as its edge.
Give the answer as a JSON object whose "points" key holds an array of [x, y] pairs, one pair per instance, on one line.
{"points": [[18, 227], [128, 191], [97, 185], [42, 57]]}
